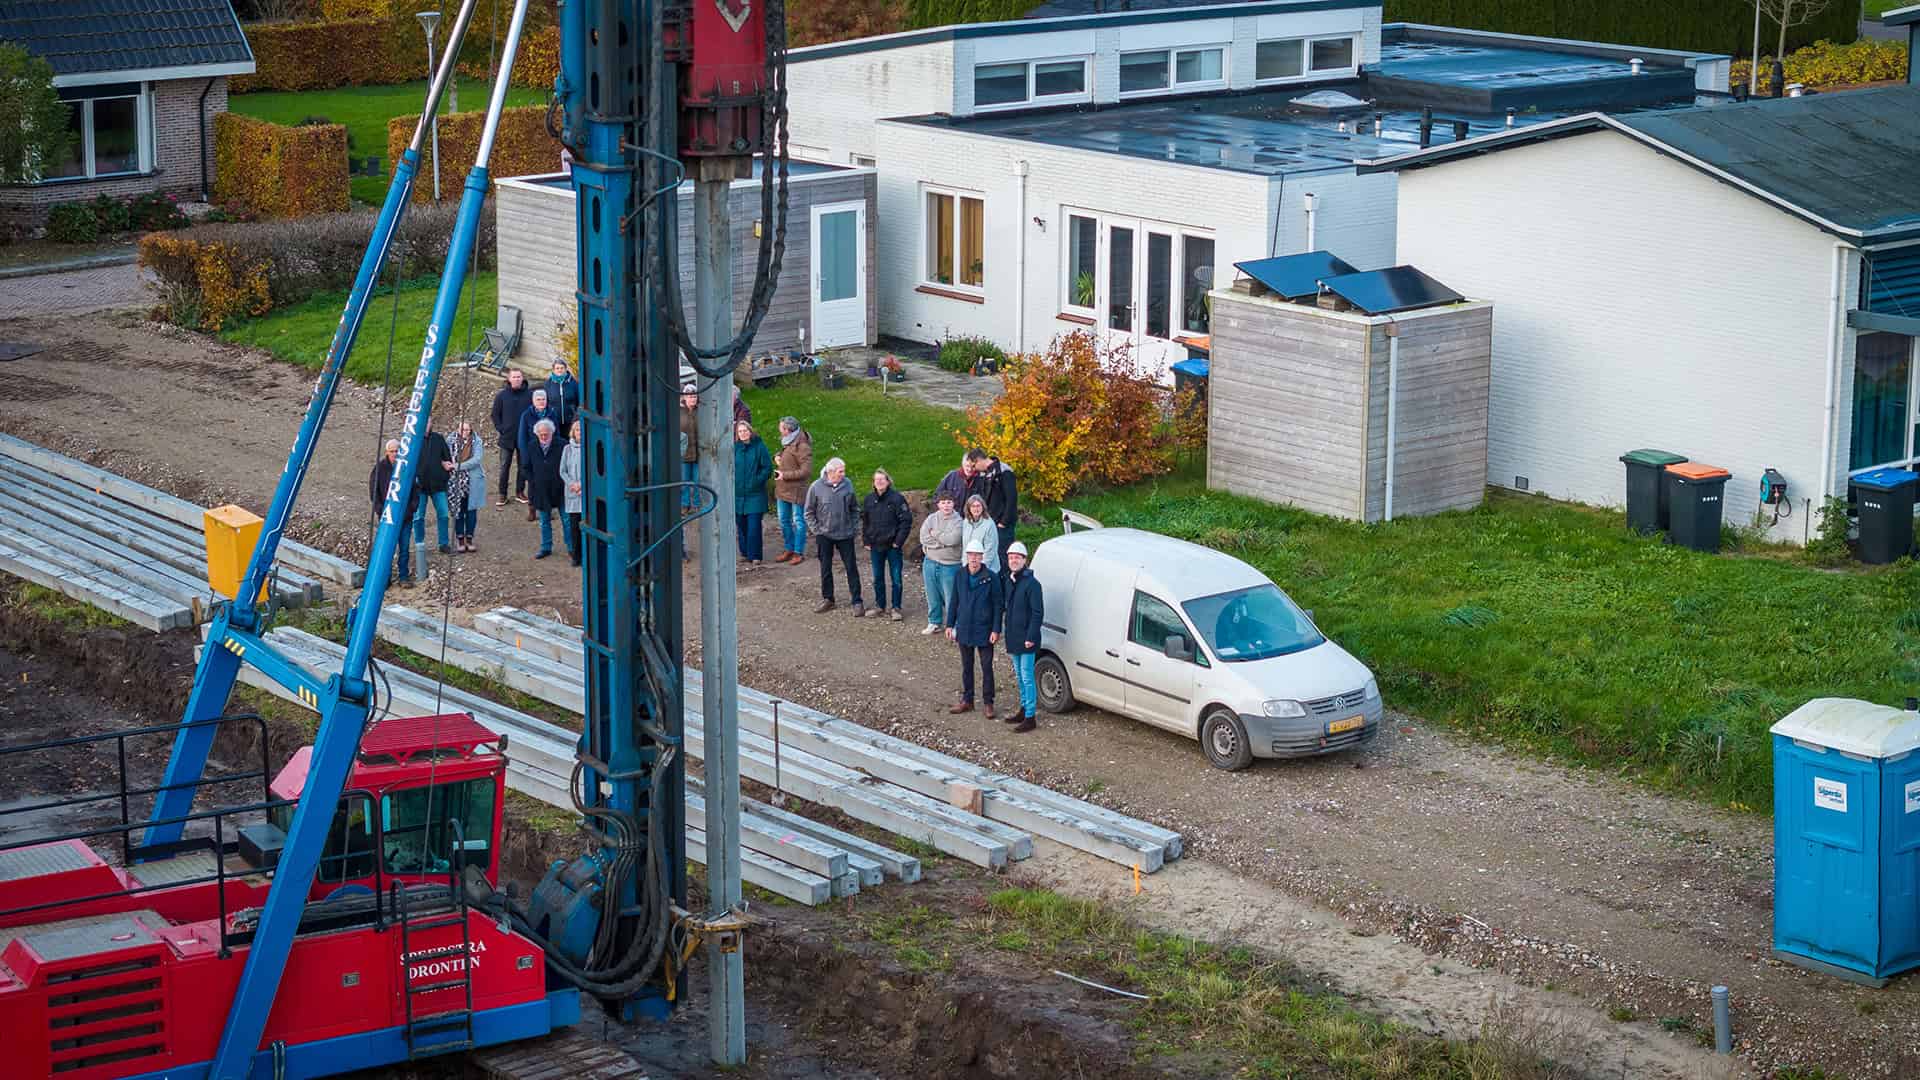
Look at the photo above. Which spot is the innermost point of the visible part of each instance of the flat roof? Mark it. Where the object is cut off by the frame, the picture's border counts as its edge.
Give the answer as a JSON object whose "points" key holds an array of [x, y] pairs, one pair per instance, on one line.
{"points": [[1906, 16], [1844, 162], [1472, 78]]}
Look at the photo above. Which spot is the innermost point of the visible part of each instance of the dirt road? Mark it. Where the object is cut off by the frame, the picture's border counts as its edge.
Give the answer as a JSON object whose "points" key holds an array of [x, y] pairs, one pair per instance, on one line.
{"points": [[1623, 903]]}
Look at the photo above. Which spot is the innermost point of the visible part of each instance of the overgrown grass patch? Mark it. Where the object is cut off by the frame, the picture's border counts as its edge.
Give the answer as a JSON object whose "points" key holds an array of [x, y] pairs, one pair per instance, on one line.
{"points": [[301, 333], [63, 609], [1218, 1010]]}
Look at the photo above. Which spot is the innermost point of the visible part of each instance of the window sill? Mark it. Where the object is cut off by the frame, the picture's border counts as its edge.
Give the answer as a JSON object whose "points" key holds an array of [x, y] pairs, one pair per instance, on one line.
{"points": [[951, 294], [1083, 320], [57, 181]]}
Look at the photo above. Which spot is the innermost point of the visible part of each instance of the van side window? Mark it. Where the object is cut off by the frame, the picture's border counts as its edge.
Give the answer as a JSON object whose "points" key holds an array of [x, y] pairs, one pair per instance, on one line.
{"points": [[1153, 622]]}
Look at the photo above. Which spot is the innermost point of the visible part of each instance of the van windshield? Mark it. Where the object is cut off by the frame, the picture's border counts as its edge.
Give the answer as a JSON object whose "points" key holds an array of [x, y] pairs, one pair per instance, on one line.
{"points": [[1252, 624]]}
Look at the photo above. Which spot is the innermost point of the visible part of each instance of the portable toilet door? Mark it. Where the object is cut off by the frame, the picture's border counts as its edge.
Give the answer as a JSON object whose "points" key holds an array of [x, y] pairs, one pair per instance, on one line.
{"points": [[1846, 796]]}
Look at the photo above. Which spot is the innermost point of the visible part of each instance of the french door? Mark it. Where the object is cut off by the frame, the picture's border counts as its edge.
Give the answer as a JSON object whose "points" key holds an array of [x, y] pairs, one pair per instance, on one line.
{"points": [[1152, 283]]}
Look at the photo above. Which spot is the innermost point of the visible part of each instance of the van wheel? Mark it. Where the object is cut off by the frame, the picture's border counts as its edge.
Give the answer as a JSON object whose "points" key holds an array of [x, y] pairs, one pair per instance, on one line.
{"points": [[1055, 691], [1223, 738]]}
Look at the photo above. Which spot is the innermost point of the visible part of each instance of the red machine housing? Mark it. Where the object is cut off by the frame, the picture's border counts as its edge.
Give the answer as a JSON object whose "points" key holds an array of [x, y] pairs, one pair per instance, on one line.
{"points": [[114, 973], [723, 77]]}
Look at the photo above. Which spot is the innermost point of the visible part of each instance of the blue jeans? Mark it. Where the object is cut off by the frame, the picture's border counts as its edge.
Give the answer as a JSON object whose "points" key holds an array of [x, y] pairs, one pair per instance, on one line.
{"points": [[1023, 674], [793, 527], [889, 561], [546, 532], [466, 521], [406, 561], [440, 516], [690, 475], [939, 578], [752, 546]]}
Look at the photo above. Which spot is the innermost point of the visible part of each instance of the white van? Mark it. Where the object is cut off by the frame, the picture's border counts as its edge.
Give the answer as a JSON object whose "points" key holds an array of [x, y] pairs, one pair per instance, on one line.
{"points": [[1195, 641]]}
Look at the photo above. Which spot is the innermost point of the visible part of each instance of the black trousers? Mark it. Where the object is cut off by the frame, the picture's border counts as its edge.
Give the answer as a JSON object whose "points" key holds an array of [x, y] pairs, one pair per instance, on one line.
{"points": [[1006, 541], [507, 452], [985, 653], [845, 550]]}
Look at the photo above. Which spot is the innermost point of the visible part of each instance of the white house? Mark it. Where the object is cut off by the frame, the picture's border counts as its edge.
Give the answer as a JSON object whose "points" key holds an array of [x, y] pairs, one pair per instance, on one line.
{"points": [[1105, 171], [1737, 283]]}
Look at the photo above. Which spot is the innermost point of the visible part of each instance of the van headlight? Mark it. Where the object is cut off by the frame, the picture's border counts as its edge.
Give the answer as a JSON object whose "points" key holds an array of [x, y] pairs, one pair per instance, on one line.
{"points": [[1373, 690], [1283, 709]]}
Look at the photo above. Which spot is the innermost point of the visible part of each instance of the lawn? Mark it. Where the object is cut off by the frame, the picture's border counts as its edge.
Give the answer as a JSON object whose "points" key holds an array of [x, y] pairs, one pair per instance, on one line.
{"points": [[1876, 8], [1541, 624], [301, 333], [365, 110], [1544, 625]]}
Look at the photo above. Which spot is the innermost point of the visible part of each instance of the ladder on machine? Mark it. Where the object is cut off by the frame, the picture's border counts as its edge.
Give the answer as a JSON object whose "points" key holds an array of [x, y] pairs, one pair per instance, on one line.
{"points": [[443, 1031]]}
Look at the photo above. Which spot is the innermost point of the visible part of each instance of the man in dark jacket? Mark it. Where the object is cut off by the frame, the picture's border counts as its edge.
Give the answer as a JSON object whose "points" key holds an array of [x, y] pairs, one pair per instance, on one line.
{"points": [[377, 491], [509, 405], [973, 622], [536, 412], [994, 482], [544, 486], [886, 522], [961, 483], [563, 394], [432, 477], [1025, 610]]}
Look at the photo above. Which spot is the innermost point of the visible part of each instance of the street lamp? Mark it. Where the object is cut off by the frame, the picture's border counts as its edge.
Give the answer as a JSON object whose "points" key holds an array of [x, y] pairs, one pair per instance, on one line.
{"points": [[428, 21]]}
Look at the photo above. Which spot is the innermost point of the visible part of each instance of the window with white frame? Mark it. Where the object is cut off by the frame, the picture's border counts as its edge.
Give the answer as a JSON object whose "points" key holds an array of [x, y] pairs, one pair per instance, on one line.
{"points": [[1082, 264], [1155, 71], [111, 134], [1296, 58], [1045, 82], [1885, 418], [954, 239], [1136, 276]]}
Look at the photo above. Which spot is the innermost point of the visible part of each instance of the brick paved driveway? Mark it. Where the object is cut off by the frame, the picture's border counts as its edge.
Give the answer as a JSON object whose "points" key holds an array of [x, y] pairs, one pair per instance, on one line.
{"points": [[74, 292]]}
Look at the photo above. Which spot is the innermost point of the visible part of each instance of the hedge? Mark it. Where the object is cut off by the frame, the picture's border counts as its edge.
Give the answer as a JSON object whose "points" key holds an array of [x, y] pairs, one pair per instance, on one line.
{"points": [[1720, 26], [278, 171], [521, 147], [537, 65], [210, 274], [323, 55], [1824, 64], [947, 12]]}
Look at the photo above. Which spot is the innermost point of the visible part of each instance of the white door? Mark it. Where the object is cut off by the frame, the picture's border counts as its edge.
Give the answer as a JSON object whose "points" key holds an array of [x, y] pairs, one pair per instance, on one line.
{"points": [[1141, 301], [839, 275]]}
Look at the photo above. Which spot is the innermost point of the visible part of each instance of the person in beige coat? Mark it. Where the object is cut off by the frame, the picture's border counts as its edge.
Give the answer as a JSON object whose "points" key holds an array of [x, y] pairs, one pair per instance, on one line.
{"points": [[940, 542], [792, 473]]}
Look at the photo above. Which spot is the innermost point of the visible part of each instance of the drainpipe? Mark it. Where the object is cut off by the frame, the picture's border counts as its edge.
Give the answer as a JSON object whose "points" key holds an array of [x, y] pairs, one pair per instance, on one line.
{"points": [[1312, 203], [1393, 402], [1020, 258], [206, 192], [1836, 294]]}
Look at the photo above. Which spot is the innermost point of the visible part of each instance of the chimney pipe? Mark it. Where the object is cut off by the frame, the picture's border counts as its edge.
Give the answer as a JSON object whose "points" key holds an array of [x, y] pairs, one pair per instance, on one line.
{"points": [[1426, 127], [1795, 89], [1379, 122], [1459, 130], [1779, 78], [1509, 117], [1343, 127], [1635, 64]]}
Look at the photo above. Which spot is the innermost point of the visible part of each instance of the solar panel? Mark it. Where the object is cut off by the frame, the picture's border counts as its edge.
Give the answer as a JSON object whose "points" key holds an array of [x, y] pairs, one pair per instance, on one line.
{"points": [[1397, 288], [1295, 277]]}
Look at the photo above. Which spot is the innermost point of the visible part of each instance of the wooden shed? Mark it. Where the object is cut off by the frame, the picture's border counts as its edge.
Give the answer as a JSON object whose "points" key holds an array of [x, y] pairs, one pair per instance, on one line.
{"points": [[1369, 416], [826, 295]]}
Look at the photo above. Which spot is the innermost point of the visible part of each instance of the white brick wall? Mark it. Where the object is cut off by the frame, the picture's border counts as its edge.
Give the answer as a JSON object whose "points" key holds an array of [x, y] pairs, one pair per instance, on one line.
{"points": [[1353, 216], [835, 101], [1230, 205], [1637, 303]]}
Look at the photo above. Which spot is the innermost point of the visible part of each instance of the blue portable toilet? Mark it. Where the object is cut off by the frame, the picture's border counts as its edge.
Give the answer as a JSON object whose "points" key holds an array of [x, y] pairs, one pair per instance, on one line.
{"points": [[1846, 839]]}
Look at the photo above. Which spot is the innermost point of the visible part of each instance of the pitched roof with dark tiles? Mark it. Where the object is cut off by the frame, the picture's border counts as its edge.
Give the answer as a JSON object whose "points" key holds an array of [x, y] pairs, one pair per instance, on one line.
{"points": [[91, 37]]}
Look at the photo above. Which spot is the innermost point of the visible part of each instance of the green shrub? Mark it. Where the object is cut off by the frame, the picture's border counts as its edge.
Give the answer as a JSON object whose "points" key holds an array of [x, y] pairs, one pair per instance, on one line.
{"points": [[156, 210], [1824, 63], [1719, 26], [962, 353], [1829, 544], [73, 223], [112, 214]]}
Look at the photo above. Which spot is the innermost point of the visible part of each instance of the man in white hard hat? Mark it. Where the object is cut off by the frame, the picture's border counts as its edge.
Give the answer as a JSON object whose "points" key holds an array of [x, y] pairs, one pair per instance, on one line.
{"points": [[973, 622], [1024, 611]]}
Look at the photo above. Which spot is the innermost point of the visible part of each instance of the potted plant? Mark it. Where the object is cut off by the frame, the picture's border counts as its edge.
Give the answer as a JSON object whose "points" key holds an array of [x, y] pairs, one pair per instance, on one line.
{"points": [[896, 371]]}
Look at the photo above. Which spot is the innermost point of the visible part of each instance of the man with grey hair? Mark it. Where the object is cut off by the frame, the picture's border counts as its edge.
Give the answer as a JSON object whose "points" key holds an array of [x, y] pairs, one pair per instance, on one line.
{"points": [[536, 412], [833, 515], [377, 483], [545, 488]]}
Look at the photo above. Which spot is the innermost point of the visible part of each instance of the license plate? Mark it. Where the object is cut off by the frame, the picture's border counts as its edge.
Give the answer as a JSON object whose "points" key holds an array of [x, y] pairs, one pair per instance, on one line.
{"points": [[1348, 724]]}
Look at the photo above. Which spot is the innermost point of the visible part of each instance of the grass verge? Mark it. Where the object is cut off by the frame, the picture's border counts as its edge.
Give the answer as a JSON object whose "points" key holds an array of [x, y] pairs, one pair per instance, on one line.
{"points": [[1209, 1009], [913, 441], [300, 333], [58, 607], [365, 111]]}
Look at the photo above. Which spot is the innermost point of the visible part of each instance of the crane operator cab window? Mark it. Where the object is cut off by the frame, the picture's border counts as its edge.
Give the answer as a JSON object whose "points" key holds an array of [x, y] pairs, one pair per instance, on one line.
{"points": [[419, 831], [349, 849]]}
